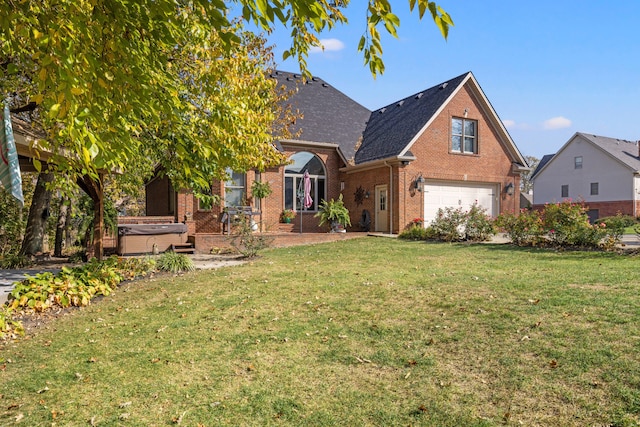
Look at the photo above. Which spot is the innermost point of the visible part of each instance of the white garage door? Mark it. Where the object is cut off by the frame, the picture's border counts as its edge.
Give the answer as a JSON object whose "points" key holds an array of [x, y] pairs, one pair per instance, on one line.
{"points": [[458, 195]]}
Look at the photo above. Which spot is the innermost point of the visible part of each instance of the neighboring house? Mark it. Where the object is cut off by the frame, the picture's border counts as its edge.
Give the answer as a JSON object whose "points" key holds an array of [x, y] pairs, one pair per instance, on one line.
{"points": [[603, 172], [444, 146]]}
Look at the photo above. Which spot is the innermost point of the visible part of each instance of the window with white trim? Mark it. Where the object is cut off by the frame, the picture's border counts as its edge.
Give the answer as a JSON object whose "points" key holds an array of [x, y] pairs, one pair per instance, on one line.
{"points": [[464, 136], [235, 189], [577, 162], [294, 182]]}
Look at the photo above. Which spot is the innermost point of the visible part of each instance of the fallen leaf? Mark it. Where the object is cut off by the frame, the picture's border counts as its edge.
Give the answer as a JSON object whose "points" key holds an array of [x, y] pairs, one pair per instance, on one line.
{"points": [[43, 390], [553, 364], [19, 417], [124, 404], [124, 416]]}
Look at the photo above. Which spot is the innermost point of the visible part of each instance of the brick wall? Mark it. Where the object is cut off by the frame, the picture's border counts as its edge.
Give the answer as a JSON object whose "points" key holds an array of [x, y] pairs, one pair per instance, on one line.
{"points": [[208, 221], [492, 164]]}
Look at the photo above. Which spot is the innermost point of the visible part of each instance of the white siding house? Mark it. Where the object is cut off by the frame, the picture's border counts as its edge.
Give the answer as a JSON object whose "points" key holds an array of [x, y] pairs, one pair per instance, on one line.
{"points": [[603, 172]]}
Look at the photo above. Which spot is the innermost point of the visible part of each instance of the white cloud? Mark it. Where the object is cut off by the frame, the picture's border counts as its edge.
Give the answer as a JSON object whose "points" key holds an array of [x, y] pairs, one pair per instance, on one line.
{"points": [[329, 45], [512, 124], [556, 123]]}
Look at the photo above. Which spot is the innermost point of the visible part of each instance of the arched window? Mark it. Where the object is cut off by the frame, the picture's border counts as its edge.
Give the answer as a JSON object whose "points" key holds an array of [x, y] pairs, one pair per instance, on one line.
{"points": [[293, 182]]}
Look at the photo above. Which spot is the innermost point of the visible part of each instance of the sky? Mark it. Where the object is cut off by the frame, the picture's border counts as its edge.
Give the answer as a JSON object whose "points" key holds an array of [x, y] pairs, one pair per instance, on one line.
{"points": [[549, 68]]}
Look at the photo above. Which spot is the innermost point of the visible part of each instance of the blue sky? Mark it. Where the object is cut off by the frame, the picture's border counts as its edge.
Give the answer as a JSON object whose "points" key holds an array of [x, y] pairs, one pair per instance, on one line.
{"points": [[549, 68]]}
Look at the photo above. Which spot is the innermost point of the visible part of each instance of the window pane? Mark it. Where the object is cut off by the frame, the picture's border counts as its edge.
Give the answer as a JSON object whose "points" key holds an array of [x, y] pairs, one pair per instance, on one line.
{"points": [[565, 191], [456, 126], [594, 188], [469, 128], [294, 190], [468, 145], [233, 197], [288, 192], [305, 161], [321, 194], [456, 143]]}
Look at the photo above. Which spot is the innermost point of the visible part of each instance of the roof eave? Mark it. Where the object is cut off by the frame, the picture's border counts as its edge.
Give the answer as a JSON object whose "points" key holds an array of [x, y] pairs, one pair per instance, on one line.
{"points": [[373, 164]]}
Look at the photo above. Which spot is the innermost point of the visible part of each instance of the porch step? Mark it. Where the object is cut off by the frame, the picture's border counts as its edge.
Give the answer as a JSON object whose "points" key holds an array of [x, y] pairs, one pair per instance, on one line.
{"points": [[183, 249], [286, 228]]}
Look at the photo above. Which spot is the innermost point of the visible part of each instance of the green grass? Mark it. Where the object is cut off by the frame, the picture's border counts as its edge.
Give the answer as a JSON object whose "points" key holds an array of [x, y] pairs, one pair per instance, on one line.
{"points": [[366, 332]]}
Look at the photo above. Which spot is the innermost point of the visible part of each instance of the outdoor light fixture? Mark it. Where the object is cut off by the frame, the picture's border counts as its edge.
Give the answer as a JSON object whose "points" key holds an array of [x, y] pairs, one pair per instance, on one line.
{"points": [[418, 183], [366, 194], [509, 189]]}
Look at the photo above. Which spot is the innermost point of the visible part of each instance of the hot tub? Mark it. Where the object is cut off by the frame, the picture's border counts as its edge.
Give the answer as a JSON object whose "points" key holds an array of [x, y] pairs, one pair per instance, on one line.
{"points": [[134, 239]]}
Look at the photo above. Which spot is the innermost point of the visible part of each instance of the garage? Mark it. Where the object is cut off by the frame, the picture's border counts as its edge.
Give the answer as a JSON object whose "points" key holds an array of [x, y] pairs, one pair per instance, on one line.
{"points": [[442, 194]]}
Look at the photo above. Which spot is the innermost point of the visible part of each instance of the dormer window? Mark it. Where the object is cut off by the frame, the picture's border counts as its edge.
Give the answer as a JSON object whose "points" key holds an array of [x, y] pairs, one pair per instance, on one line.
{"points": [[464, 136]]}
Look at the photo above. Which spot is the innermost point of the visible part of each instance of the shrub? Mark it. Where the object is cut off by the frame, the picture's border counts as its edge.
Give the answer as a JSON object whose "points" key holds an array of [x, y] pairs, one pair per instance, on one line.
{"points": [[414, 232], [14, 261], [524, 229], [478, 225], [455, 224], [567, 224], [246, 242], [617, 224], [448, 224], [174, 262], [564, 224]]}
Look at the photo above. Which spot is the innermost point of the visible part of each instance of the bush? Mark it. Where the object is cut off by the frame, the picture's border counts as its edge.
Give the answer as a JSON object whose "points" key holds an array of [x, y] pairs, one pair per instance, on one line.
{"points": [[448, 224], [174, 262], [564, 224], [414, 232], [524, 229], [14, 261], [478, 226], [567, 224], [617, 224], [455, 224], [246, 242]]}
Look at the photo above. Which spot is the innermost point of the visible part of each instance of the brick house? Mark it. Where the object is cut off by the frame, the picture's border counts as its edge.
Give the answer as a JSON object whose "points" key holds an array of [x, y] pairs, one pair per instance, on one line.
{"points": [[444, 146], [603, 172]]}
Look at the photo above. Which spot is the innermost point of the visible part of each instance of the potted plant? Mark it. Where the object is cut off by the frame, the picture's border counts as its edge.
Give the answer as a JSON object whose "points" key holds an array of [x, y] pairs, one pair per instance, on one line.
{"points": [[287, 216], [335, 214]]}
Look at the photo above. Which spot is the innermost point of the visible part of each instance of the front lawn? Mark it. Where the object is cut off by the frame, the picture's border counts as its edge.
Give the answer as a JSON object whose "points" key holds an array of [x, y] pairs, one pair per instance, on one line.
{"points": [[370, 331]]}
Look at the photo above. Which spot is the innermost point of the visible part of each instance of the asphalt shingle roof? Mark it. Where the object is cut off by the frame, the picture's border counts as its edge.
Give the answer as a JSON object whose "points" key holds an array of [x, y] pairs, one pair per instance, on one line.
{"points": [[329, 116], [391, 128], [545, 159], [625, 151]]}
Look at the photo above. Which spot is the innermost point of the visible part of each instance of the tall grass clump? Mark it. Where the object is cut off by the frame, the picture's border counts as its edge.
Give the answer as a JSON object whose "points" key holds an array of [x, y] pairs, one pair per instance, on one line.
{"points": [[174, 262]]}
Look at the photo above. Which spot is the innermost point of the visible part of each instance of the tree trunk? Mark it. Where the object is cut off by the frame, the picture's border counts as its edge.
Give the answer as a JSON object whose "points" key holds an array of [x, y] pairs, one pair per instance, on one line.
{"points": [[38, 214], [61, 226]]}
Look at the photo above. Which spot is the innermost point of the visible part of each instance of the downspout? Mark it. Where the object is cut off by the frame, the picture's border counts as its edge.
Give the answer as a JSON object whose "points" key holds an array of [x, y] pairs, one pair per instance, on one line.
{"points": [[390, 196]]}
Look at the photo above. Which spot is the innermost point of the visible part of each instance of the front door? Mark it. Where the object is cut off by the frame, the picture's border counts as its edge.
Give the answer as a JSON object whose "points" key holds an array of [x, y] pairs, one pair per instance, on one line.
{"points": [[382, 208]]}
